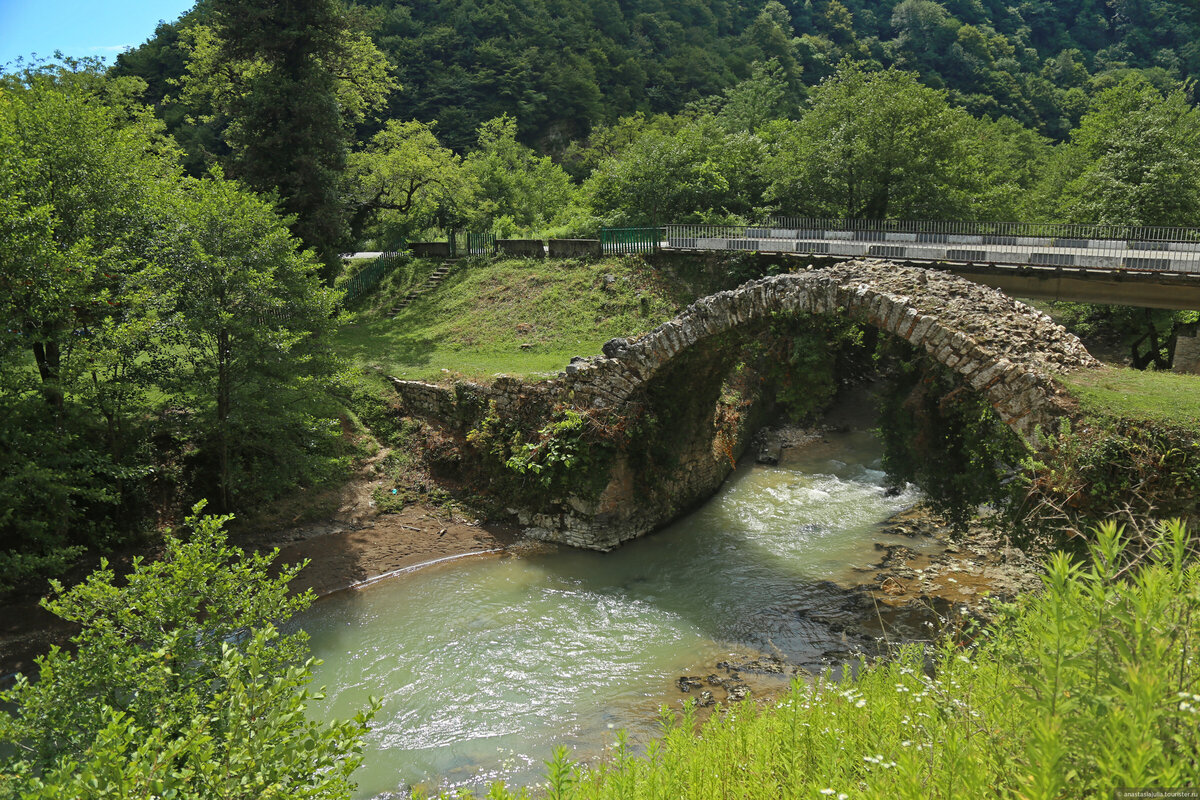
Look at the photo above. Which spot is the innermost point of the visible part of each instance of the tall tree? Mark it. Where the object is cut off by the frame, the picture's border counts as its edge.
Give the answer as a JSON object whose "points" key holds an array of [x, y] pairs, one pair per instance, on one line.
{"points": [[875, 145], [404, 181], [1132, 160], [518, 189], [289, 77], [699, 171], [79, 171], [245, 314]]}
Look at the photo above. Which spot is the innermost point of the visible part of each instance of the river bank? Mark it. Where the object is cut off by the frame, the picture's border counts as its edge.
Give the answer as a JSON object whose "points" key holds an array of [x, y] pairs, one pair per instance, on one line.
{"points": [[353, 546], [899, 597], [915, 593]]}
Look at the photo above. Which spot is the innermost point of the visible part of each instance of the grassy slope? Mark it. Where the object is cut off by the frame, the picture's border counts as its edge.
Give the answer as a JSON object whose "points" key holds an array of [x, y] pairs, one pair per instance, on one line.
{"points": [[1118, 392], [514, 316], [1123, 393]]}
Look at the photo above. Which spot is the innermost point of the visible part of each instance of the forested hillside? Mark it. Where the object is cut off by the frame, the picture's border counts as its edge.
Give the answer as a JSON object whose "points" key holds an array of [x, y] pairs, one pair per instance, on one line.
{"points": [[562, 66]]}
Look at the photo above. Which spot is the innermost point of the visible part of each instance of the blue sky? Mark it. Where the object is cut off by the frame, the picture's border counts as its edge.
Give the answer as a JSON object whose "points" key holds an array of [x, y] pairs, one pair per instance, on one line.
{"points": [[80, 27]]}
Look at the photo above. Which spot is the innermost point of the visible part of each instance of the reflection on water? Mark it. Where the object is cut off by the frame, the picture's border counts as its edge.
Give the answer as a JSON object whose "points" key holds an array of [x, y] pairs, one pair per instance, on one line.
{"points": [[484, 665]]}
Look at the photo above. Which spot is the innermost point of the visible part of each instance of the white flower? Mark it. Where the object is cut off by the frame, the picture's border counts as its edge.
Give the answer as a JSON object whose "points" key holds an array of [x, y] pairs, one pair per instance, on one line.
{"points": [[860, 704], [827, 791]]}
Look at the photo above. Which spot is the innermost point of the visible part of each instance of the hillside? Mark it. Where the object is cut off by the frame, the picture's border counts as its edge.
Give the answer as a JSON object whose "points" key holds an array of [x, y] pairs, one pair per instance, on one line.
{"points": [[562, 67], [513, 316]]}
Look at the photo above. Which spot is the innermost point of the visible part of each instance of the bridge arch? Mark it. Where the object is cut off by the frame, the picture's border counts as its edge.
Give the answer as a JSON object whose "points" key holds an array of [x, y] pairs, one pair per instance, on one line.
{"points": [[1001, 348], [666, 385]]}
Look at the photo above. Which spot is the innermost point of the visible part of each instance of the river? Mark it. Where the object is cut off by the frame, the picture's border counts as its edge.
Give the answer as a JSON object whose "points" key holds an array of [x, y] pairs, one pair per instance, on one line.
{"points": [[485, 664]]}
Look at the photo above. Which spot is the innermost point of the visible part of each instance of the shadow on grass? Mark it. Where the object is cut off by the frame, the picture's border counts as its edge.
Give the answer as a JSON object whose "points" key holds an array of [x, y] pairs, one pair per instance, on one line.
{"points": [[377, 342]]}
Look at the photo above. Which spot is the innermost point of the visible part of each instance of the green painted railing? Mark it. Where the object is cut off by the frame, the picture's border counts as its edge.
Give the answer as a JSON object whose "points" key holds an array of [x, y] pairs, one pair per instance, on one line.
{"points": [[631, 240], [371, 275], [465, 243]]}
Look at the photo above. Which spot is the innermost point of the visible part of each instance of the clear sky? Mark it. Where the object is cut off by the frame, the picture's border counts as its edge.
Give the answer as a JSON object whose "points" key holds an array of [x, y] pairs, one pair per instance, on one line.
{"points": [[80, 28]]}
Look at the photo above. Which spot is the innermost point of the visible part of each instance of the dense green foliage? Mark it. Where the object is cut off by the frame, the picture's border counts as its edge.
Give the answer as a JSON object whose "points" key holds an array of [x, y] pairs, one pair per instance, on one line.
{"points": [[160, 334], [1134, 469], [716, 112], [163, 336], [563, 68], [282, 84], [180, 684]]}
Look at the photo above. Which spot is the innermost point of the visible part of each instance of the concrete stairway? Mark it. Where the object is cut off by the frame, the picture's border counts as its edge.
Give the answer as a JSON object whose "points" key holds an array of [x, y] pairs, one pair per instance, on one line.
{"points": [[432, 282]]}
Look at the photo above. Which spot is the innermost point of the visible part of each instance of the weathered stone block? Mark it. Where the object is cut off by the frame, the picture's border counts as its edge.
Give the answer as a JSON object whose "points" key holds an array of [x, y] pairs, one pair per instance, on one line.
{"points": [[521, 248]]}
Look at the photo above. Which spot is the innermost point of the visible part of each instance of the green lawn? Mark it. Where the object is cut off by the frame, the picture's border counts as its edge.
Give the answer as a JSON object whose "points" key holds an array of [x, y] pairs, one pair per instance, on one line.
{"points": [[515, 317], [1125, 393]]}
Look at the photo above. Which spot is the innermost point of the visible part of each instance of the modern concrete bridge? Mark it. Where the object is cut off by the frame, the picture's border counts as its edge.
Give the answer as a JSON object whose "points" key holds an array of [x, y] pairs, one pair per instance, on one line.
{"points": [[1140, 266]]}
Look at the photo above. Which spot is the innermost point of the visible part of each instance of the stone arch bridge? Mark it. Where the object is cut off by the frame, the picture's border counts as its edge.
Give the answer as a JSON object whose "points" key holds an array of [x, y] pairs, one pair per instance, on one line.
{"points": [[671, 388]]}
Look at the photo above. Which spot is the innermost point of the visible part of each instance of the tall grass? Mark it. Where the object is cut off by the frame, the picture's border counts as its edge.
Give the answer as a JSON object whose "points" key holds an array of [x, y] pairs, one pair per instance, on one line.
{"points": [[1090, 686]]}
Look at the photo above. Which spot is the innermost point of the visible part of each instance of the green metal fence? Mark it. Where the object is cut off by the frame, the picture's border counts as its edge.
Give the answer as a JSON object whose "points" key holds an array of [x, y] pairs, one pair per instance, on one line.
{"points": [[465, 243], [631, 240], [371, 275]]}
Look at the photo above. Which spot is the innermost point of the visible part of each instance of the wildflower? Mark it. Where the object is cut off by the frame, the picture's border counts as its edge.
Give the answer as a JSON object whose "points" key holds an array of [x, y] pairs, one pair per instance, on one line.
{"points": [[860, 704]]}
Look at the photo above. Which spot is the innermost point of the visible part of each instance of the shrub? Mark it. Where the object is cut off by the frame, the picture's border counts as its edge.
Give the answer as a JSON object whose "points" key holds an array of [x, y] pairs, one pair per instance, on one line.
{"points": [[181, 685]]}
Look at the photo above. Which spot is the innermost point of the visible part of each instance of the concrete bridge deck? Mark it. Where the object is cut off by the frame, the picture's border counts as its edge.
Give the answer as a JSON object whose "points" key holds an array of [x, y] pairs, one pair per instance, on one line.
{"points": [[1155, 273]]}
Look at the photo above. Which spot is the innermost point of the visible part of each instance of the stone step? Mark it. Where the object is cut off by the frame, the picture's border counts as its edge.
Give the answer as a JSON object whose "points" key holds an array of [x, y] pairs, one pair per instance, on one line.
{"points": [[433, 281]]}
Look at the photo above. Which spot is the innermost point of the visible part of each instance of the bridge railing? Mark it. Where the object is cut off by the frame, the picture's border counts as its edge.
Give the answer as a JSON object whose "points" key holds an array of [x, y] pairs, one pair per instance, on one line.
{"points": [[631, 240], [1040, 230], [1010, 244]]}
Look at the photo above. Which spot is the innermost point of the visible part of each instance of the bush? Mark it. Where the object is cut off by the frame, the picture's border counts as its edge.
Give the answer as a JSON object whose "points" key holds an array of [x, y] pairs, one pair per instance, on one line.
{"points": [[181, 685]]}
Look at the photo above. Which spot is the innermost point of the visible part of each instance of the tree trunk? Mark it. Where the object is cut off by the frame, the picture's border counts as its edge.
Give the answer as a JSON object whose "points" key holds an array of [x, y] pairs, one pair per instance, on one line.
{"points": [[223, 408], [48, 359]]}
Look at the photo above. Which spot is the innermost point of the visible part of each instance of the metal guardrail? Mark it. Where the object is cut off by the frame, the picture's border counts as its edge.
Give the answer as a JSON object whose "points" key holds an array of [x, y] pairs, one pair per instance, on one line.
{"points": [[631, 240], [1009, 244]]}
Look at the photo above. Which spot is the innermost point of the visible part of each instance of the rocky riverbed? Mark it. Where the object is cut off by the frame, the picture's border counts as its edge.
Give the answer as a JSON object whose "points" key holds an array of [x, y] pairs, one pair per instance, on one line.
{"points": [[912, 593]]}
